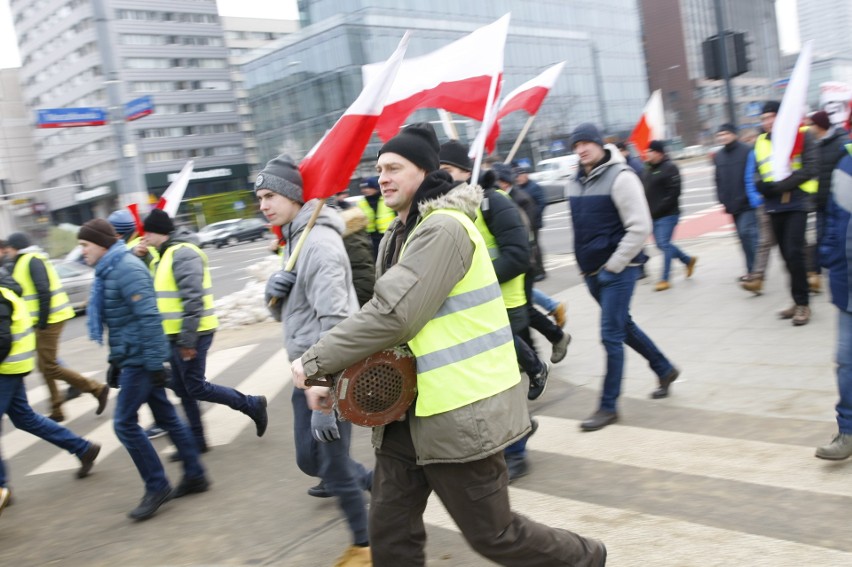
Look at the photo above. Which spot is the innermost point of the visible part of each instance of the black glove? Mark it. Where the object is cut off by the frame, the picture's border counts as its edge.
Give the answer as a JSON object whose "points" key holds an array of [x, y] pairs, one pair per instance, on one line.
{"points": [[766, 188], [112, 375], [161, 377], [280, 284]]}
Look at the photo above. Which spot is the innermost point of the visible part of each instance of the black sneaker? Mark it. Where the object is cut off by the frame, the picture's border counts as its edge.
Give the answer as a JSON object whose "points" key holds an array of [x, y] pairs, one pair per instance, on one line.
{"points": [[261, 418], [665, 382], [191, 486], [150, 503], [87, 460], [517, 466], [538, 383], [319, 491], [154, 432]]}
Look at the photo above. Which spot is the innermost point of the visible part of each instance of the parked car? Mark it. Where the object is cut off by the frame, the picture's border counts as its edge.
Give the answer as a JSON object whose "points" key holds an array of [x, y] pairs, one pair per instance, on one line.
{"points": [[77, 280], [232, 232], [553, 175]]}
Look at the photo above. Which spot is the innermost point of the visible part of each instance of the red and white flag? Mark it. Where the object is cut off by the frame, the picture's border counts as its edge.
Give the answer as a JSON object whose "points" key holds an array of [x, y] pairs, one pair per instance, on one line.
{"points": [[170, 201], [329, 165], [651, 126], [785, 130], [456, 78], [528, 96]]}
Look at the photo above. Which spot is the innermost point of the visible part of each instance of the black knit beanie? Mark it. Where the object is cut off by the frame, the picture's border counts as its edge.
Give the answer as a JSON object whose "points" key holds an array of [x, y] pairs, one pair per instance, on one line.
{"points": [[281, 176], [586, 133], [158, 222], [455, 153], [417, 143], [771, 107], [18, 240], [98, 231]]}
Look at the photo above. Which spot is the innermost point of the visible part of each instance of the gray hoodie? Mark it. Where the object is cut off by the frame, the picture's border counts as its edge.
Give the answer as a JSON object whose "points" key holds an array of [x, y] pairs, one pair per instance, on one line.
{"points": [[323, 294]]}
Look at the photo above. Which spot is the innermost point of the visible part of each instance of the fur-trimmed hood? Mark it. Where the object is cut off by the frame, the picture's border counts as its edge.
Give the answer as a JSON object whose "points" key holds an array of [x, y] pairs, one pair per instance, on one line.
{"points": [[463, 197], [355, 220]]}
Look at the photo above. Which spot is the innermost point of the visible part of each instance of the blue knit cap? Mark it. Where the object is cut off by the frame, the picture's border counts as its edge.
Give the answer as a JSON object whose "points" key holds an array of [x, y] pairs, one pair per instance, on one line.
{"points": [[586, 133], [122, 221]]}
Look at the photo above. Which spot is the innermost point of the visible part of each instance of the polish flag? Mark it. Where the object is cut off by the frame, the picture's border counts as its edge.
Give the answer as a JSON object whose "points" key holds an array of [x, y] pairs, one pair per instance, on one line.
{"points": [[456, 78], [651, 126], [528, 96], [329, 165], [785, 130], [170, 201]]}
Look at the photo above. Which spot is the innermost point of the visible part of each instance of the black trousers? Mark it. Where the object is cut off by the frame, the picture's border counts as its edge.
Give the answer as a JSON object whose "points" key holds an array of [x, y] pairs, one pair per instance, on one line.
{"points": [[528, 359], [538, 320], [789, 229], [476, 495]]}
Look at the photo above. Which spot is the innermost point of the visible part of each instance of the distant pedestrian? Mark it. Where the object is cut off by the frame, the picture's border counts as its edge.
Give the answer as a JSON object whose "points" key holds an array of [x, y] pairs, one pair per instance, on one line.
{"points": [[634, 162], [123, 300], [765, 235], [49, 309], [787, 203], [17, 359], [662, 189], [730, 162], [836, 256], [379, 215], [611, 223], [310, 301]]}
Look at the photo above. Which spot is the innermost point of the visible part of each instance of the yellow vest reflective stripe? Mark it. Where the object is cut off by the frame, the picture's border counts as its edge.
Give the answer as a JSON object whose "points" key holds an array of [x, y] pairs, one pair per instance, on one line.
{"points": [[379, 219], [763, 157], [514, 294], [21, 358], [60, 306], [468, 344], [169, 301]]}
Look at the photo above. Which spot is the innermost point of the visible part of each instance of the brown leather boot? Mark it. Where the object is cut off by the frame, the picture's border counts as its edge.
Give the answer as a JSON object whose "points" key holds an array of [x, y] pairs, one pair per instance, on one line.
{"points": [[814, 282], [802, 315], [754, 285]]}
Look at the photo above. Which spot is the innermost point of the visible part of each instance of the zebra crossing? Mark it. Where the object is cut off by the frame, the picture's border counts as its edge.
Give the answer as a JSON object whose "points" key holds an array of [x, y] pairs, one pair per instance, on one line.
{"points": [[657, 492]]}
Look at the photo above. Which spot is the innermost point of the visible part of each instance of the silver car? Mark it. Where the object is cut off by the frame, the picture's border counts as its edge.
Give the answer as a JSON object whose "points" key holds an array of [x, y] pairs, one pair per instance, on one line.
{"points": [[77, 280]]}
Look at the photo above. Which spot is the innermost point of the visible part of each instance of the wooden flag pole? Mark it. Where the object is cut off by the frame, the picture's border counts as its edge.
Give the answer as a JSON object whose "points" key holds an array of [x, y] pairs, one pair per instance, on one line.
{"points": [[449, 126], [519, 139], [291, 261]]}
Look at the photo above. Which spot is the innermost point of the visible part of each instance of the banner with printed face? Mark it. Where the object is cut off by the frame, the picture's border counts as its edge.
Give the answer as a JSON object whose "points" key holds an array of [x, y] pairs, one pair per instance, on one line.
{"points": [[834, 99]]}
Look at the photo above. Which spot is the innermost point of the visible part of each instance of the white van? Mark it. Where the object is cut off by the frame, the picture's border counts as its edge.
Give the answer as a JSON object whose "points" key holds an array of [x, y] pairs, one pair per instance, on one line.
{"points": [[555, 169]]}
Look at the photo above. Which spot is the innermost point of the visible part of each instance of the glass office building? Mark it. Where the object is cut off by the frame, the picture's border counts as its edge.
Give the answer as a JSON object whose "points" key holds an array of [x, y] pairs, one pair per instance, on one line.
{"points": [[300, 88]]}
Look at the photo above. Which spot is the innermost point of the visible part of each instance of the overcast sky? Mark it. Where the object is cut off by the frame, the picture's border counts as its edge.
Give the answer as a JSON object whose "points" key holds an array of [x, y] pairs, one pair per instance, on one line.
{"points": [[786, 10]]}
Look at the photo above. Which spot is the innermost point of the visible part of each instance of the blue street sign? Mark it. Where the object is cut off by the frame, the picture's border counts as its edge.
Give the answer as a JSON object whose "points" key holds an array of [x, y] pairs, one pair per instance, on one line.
{"points": [[138, 107], [70, 117]]}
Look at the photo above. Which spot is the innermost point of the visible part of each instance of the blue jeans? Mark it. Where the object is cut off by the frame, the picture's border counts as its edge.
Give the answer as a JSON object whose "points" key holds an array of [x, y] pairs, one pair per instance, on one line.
{"points": [[136, 388], [663, 231], [342, 476], [544, 301], [613, 293], [844, 371], [13, 402], [191, 386], [749, 235]]}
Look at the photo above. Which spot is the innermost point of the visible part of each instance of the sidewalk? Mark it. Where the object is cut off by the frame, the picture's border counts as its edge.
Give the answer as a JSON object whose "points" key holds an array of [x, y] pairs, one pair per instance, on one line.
{"points": [[734, 353]]}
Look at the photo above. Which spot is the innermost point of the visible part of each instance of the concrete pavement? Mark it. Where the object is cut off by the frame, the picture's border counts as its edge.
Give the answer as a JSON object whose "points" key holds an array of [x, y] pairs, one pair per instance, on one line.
{"points": [[720, 473]]}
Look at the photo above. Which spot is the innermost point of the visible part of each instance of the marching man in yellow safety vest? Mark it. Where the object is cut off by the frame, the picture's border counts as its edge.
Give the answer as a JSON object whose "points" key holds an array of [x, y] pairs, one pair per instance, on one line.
{"points": [[437, 291], [379, 215], [49, 308]]}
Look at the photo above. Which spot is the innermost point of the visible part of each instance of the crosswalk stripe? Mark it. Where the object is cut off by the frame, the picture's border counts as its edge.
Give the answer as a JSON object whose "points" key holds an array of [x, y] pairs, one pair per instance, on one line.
{"points": [[767, 464], [217, 362], [635, 539]]}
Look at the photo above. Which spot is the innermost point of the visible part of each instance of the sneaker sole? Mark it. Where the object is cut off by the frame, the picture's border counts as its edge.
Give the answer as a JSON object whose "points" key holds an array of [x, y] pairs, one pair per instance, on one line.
{"points": [[830, 458]]}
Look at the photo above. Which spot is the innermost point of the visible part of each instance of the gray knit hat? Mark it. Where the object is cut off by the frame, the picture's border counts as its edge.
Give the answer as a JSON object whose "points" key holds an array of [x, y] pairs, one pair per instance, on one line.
{"points": [[281, 176]]}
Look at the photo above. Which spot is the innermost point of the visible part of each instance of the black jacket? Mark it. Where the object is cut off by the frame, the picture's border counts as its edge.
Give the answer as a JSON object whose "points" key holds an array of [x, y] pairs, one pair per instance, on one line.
{"points": [[6, 310], [504, 221], [662, 188], [535, 191], [730, 163], [38, 272], [831, 148]]}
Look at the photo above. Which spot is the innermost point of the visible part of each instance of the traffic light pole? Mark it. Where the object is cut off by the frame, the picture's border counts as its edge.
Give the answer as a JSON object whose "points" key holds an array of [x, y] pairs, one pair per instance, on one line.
{"points": [[722, 57]]}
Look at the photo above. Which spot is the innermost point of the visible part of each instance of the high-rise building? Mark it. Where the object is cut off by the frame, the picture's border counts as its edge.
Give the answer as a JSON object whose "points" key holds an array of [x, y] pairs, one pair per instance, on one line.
{"points": [[674, 31], [105, 53], [244, 36], [827, 24], [301, 87]]}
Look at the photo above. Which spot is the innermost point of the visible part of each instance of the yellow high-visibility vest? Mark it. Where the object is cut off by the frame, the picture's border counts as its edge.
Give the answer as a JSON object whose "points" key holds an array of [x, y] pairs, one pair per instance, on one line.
{"points": [[21, 358], [514, 294], [169, 301], [151, 250], [379, 219], [60, 305], [466, 352], [763, 157]]}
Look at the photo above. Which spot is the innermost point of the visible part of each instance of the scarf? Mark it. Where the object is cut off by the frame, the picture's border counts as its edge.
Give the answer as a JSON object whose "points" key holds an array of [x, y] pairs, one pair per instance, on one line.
{"points": [[95, 309]]}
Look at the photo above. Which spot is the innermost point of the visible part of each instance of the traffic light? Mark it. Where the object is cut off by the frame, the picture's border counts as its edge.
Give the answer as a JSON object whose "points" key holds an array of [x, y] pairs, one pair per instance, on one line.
{"points": [[735, 54]]}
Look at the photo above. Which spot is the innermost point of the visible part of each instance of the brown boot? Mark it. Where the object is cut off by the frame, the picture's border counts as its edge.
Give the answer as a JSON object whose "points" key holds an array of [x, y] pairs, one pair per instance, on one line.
{"points": [[754, 285], [788, 313], [814, 282], [802, 315], [662, 285], [559, 315]]}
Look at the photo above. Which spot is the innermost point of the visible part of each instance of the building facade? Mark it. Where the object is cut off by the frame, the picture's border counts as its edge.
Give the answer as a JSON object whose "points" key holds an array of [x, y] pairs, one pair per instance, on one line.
{"points": [[674, 31], [828, 25], [106, 53], [298, 89]]}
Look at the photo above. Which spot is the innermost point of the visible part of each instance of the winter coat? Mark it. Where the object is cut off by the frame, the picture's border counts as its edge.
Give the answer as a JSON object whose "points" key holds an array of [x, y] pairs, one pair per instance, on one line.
{"points": [[359, 248], [406, 297], [731, 163], [6, 312], [136, 336], [610, 215], [662, 188], [503, 219], [322, 295], [832, 147], [836, 246]]}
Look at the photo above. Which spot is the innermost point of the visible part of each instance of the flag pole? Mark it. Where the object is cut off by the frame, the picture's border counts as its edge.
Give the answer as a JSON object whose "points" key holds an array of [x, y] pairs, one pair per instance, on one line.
{"points": [[449, 126], [519, 139], [291, 261], [487, 120]]}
